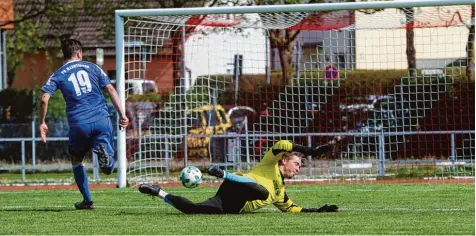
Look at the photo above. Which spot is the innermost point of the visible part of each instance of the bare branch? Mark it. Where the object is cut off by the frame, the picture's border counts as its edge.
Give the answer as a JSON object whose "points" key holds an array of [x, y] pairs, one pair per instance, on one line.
{"points": [[29, 15], [370, 11], [213, 3], [294, 35]]}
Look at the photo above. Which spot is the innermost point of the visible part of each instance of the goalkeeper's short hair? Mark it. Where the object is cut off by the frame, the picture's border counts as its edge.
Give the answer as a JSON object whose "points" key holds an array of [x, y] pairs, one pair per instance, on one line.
{"points": [[288, 155]]}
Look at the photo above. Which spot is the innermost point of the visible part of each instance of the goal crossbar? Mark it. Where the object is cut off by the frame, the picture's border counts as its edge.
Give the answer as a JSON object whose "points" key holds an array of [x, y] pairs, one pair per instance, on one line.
{"points": [[289, 8]]}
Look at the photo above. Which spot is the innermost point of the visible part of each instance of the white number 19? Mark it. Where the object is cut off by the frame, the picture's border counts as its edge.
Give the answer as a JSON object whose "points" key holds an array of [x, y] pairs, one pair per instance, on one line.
{"points": [[81, 82]]}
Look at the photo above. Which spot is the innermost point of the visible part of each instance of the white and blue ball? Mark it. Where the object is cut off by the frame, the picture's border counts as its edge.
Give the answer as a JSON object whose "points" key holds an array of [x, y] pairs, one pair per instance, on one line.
{"points": [[190, 177]]}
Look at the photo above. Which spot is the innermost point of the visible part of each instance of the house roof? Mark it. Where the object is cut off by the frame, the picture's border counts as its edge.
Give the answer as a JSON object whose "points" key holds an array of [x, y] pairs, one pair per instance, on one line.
{"points": [[90, 21], [6, 13]]}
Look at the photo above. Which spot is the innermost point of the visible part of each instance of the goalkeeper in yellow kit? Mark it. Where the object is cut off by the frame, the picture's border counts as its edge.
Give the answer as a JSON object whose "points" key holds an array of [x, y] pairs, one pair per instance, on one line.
{"points": [[262, 186]]}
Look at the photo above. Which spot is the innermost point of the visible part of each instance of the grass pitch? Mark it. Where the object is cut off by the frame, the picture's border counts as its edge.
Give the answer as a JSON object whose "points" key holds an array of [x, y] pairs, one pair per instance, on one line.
{"points": [[431, 209]]}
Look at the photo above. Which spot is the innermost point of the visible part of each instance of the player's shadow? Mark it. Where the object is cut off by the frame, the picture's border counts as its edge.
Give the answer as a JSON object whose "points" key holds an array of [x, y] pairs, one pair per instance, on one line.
{"points": [[38, 209]]}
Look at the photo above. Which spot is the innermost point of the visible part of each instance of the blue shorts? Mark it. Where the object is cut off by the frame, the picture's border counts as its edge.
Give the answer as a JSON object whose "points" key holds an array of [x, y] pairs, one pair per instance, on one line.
{"points": [[83, 137]]}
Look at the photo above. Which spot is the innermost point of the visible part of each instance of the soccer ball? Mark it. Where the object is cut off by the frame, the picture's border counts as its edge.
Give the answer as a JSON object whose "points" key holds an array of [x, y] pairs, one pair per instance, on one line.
{"points": [[190, 177]]}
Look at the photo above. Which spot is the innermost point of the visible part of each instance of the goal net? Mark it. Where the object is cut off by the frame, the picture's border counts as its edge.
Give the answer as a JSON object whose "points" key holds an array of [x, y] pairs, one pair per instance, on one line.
{"points": [[390, 84]]}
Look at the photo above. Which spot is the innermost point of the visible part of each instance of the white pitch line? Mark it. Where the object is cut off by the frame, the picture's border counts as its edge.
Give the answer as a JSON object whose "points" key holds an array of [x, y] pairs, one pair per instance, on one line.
{"points": [[73, 191], [72, 207], [163, 206]]}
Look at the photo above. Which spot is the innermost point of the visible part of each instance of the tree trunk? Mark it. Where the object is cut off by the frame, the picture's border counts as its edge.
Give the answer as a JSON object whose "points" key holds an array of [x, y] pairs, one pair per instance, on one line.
{"points": [[11, 74], [177, 57], [470, 48], [410, 36], [10, 78], [178, 41], [286, 57], [283, 40]]}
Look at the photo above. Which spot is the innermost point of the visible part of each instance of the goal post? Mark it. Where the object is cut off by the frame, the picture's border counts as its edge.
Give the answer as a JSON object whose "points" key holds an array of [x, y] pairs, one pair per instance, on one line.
{"points": [[120, 88], [310, 89]]}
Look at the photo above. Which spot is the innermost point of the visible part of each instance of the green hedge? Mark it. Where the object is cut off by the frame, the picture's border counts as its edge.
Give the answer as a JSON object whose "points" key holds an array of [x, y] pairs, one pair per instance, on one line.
{"points": [[252, 88], [16, 105], [356, 83]]}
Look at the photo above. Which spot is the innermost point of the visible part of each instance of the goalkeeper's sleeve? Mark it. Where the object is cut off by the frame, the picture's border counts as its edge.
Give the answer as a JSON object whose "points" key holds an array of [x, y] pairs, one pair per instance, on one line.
{"points": [[287, 146], [286, 205], [312, 151], [325, 208], [272, 156]]}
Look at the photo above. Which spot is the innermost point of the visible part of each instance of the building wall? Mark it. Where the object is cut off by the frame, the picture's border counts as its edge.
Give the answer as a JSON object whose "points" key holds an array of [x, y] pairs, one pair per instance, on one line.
{"points": [[214, 52], [381, 38], [160, 70], [338, 49], [37, 70]]}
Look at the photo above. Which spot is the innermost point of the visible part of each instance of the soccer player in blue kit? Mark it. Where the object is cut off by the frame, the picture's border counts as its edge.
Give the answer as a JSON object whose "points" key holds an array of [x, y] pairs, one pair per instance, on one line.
{"points": [[90, 126]]}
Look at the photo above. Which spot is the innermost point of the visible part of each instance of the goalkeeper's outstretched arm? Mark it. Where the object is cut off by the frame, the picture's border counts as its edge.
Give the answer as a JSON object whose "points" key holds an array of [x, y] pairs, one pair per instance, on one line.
{"points": [[286, 205], [288, 146], [275, 153]]}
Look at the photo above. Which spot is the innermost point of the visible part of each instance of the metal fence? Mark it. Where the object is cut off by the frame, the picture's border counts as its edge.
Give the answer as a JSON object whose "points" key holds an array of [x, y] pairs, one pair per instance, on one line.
{"points": [[23, 147], [30, 155]]}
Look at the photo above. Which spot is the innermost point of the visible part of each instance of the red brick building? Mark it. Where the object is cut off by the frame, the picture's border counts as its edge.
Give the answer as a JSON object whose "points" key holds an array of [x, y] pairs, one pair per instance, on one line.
{"points": [[94, 32]]}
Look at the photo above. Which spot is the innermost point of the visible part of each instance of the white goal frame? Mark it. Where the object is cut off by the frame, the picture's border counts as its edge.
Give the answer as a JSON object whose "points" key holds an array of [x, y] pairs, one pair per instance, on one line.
{"points": [[119, 31]]}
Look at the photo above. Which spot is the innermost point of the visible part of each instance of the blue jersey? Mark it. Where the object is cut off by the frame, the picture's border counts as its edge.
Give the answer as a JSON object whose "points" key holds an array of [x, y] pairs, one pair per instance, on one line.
{"points": [[81, 83]]}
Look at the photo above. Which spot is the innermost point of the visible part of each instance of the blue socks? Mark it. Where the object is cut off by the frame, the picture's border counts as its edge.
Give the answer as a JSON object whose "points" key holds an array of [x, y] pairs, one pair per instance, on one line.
{"points": [[237, 178], [81, 179]]}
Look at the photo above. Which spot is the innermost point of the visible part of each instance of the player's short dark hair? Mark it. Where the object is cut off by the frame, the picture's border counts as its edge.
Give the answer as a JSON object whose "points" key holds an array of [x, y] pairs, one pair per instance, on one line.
{"points": [[70, 46]]}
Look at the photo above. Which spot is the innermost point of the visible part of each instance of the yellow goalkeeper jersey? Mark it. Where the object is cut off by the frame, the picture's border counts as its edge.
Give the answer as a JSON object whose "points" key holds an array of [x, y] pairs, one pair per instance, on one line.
{"points": [[268, 175]]}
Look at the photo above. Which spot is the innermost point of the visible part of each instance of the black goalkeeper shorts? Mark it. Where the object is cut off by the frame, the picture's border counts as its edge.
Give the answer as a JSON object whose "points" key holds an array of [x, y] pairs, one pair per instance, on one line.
{"points": [[230, 199], [234, 195]]}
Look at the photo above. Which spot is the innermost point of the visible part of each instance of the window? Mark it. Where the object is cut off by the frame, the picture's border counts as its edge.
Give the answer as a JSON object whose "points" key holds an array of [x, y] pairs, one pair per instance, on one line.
{"points": [[148, 87], [341, 61]]}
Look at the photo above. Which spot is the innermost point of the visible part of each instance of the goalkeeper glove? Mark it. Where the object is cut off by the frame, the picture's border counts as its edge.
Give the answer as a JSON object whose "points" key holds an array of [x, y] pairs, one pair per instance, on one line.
{"points": [[325, 208], [323, 149], [315, 152]]}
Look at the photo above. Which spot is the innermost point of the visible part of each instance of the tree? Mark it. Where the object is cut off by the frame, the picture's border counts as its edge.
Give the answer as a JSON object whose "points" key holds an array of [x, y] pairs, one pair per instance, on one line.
{"points": [[176, 36], [470, 47], [283, 40], [410, 36], [183, 32], [20, 41], [32, 19], [38, 20]]}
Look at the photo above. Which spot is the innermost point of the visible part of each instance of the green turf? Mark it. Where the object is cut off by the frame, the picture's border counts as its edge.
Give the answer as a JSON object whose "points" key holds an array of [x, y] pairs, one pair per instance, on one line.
{"points": [[365, 209], [45, 177]]}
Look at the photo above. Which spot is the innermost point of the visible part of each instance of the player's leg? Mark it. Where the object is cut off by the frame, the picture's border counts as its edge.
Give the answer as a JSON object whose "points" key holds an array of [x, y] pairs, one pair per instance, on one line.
{"points": [[103, 144], [211, 206], [234, 195], [253, 190], [236, 190], [214, 170], [79, 144]]}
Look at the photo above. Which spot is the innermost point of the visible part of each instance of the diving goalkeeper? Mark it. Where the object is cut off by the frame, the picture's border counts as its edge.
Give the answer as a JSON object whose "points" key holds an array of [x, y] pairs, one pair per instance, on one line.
{"points": [[262, 186]]}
